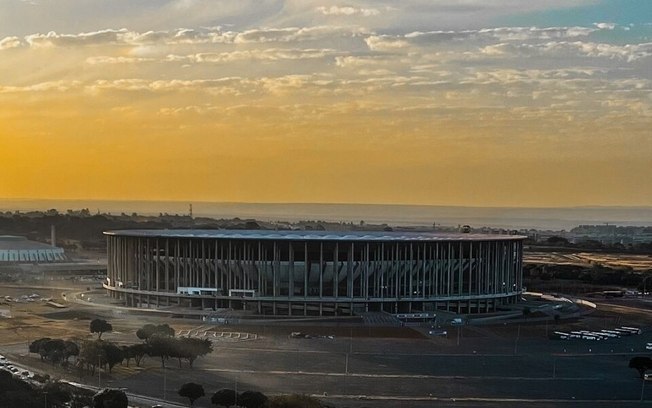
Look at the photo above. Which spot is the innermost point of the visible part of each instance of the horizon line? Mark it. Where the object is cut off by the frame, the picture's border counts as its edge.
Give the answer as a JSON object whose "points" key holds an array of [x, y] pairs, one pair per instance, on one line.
{"points": [[581, 206]]}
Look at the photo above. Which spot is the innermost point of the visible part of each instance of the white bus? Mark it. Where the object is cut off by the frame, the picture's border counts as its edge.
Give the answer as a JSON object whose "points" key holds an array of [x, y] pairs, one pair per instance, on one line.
{"points": [[633, 330], [188, 290], [242, 293], [561, 335]]}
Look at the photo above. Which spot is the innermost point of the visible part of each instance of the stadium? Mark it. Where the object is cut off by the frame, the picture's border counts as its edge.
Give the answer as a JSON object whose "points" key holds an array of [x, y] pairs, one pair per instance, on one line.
{"points": [[314, 273]]}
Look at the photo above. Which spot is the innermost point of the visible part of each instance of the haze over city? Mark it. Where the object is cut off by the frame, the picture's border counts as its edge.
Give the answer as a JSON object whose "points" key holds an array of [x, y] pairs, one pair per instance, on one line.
{"points": [[476, 103]]}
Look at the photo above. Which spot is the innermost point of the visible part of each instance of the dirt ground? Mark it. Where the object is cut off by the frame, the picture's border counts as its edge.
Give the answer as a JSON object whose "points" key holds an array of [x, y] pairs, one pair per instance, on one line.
{"points": [[635, 261], [492, 362]]}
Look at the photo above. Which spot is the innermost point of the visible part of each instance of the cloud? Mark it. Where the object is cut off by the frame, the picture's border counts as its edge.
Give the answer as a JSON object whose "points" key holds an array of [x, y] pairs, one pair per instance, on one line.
{"points": [[293, 34], [628, 52], [181, 36], [605, 26], [385, 43], [488, 35], [10, 42], [271, 54], [348, 11], [472, 38], [361, 61], [116, 60], [52, 39], [48, 86]]}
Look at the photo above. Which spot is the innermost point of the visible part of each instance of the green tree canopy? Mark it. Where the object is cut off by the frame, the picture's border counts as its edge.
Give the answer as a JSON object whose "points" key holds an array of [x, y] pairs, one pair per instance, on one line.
{"points": [[92, 354], [252, 399], [192, 391], [110, 398], [190, 348], [224, 397], [100, 326], [149, 330], [113, 353], [640, 364]]}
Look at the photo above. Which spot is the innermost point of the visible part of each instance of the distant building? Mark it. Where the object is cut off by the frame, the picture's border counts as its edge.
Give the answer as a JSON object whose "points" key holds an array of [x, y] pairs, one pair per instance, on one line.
{"points": [[315, 273], [16, 250]]}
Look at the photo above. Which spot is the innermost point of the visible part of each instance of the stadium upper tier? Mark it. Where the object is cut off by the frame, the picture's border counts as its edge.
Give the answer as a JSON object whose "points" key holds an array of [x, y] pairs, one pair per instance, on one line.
{"points": [[312, 235], [315, 272]]}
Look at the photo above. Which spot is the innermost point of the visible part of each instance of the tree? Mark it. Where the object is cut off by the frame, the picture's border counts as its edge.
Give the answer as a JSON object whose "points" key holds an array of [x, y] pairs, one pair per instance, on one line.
{"points": [[190, 348], [252, 399], [36, 345], [149, 330], [113, 353], [70, 349], [162, 347], [145, 332], [557, 240], [164, 330], [137, 352], [110, 398], [57, 394], [640, 364], [92, 354], [100, 326], [224, 397], [192, 391], [53, 350]]}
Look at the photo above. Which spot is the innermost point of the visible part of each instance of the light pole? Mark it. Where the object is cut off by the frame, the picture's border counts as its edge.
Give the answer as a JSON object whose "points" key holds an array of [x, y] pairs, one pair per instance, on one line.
{"points": [[164, 382], [645, 285], [642, 388], [236, 389]]}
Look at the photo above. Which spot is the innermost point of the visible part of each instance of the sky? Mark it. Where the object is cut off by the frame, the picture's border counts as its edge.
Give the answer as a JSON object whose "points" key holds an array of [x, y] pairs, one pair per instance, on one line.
{"points": [[441, 102]]}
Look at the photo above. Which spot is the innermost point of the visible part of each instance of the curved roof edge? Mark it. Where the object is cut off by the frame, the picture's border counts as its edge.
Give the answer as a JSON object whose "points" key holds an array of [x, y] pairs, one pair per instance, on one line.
{"points": [[311, 235]]}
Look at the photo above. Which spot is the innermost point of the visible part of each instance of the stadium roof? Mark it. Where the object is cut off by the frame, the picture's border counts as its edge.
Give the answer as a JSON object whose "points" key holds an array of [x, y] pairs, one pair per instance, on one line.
{"points": [[313, 235], [16, 243]]}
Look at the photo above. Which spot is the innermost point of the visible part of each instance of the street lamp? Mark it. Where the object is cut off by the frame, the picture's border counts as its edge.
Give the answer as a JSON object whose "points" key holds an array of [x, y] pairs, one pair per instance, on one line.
{"points": [[164, 381], [642, 388], [236, 389], [645, 284]]}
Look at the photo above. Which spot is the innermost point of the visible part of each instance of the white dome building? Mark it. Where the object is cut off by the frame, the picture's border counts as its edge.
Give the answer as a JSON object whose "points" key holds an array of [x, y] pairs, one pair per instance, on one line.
{"points": [[15, 249]]}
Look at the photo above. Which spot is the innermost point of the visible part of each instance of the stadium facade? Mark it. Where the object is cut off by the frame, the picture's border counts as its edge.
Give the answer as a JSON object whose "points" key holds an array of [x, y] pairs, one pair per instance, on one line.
{"points": [[314, 273]]}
